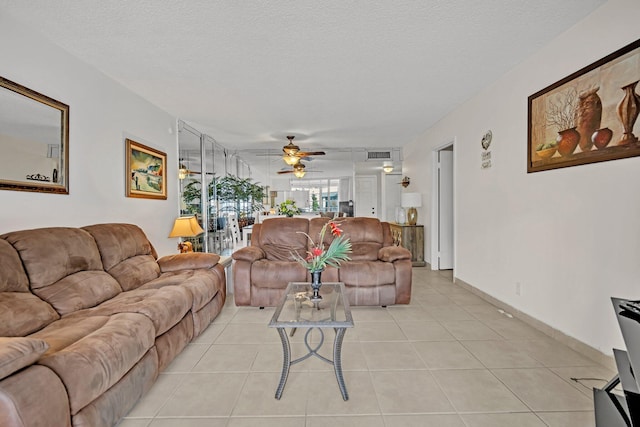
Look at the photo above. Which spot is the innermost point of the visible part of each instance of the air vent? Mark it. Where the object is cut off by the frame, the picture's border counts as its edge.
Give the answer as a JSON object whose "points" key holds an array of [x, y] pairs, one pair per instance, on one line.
{"points": [[378, 155]]}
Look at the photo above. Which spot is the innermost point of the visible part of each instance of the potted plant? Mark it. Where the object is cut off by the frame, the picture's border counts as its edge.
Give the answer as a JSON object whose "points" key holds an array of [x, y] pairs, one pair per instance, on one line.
{"points": [[289, 208]]}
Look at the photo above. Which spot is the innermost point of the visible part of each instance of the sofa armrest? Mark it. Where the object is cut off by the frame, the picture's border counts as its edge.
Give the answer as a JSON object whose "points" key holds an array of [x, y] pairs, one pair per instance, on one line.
{"points": [[393, 253], [188, 261], [19, 352], [249, 254]]}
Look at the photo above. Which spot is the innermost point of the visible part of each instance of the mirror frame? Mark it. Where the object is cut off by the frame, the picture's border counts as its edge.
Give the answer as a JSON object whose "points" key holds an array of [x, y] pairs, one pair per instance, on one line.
{"points": [[42, 186]]}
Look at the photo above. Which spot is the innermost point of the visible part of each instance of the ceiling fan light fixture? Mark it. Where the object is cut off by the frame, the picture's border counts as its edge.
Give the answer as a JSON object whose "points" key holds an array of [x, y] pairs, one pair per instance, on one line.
{"points": [[182, 171], [290, 149], [290, 159], [387, 167], [299, 173]]}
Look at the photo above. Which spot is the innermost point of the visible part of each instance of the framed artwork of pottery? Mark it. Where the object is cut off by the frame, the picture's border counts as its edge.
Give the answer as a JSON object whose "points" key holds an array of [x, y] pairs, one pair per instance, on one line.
{"points": [[589, 116]]}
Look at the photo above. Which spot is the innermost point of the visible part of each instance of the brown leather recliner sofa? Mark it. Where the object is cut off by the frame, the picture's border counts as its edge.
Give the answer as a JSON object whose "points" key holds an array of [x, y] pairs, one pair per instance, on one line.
{"points": [[379, 273], [89, 317]]}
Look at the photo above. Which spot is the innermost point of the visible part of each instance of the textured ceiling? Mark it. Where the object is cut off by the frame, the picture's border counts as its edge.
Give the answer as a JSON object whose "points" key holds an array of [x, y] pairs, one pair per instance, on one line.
{"points": [[334, 73]]}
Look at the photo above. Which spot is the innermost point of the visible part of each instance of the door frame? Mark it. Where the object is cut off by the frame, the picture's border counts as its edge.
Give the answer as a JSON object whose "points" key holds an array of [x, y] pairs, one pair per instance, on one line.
{"points": [[435, 201]]}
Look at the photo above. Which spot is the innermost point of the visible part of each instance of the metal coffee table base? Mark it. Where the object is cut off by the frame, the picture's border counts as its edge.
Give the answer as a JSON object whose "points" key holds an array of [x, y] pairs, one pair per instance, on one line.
{"points": [[336, 362]]}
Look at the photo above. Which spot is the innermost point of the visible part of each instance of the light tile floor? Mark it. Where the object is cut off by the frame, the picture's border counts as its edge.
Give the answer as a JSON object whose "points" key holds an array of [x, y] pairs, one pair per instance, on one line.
{"points": [[449, 359]]}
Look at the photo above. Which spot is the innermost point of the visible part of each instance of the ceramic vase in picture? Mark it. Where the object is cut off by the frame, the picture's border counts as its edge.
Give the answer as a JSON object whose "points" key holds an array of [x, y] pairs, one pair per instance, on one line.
{"points": [[567, 141], [601, 138], [628, 111], [587, 117]]}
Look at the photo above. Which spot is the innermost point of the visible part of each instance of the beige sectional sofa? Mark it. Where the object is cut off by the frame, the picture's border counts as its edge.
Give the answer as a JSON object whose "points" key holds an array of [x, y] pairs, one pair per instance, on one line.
{"points": [[89, 317], [379, 273]]}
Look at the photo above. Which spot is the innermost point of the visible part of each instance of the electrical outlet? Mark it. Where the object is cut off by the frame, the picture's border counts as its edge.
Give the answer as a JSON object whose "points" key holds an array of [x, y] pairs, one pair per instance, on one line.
{"points": [[518, 289]]}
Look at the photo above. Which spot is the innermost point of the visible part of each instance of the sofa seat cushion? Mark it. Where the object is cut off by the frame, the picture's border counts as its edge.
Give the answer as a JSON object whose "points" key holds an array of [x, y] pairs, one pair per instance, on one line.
{"points": [[17, 353], [90, 366], [276, 274], [367, 273], [203, 285], [165, 307], [22, 313], [65, 332]]}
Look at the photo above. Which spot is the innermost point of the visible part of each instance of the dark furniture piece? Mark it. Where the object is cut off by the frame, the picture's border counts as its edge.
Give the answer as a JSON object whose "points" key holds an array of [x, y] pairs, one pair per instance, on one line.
{"points": [[612, 408], [412, 238]]}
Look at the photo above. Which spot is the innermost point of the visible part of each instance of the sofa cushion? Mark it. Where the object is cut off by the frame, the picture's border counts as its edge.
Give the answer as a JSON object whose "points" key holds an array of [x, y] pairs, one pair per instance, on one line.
{"points": [[126, 253], [276, 274], [22, 313], [279, 237], [12, 275], [64, 267], [165, 307], [133, 272], [17, 353], [65, 332], [90, 366], [188, 261], [366, 235], [203, 285], [34, 397], [367, 273], [50, 254], [79, 291]]}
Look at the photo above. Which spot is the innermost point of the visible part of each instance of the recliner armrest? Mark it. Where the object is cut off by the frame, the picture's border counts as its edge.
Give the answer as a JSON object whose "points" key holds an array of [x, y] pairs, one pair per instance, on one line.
{"points": [[393, 253], [188, 261], [249, 253], [19, 352]]}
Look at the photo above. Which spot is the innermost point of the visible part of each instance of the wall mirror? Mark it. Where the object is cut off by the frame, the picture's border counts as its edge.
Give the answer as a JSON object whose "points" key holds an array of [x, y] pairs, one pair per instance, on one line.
{"points": [[34, 141]]}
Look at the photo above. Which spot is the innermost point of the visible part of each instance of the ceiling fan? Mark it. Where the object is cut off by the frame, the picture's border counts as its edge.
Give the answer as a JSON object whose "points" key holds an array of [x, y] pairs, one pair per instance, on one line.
{"points": [[298, 170], [292, 153]]}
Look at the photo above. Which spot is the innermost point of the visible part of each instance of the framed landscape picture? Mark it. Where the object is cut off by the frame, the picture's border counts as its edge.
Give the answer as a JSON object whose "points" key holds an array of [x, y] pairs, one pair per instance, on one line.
{"points": [[589, 116], [145, 171]]}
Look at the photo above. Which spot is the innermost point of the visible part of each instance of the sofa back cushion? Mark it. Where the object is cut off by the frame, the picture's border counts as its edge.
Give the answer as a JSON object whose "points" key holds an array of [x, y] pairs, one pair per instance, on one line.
{"points": [[127, 254], [279, 237], [64, 267], [366, 235], [21, 312]]}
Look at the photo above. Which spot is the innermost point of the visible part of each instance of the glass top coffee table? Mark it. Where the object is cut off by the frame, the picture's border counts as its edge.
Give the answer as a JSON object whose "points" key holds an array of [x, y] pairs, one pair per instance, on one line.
{"points": [[298, 310]]}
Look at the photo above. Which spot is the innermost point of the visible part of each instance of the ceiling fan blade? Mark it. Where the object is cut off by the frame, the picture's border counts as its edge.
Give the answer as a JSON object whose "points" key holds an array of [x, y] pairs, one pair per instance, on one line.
{"points": [[281, 172], [310, 153]]}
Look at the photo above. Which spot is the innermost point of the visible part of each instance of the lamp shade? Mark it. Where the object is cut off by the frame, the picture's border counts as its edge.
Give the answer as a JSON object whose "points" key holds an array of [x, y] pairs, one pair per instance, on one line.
{"points": [[186, 226], [411, 200]]}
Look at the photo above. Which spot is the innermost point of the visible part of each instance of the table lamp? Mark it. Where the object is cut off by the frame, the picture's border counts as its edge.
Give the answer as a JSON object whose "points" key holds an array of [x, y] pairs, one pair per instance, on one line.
{"points": [[411, 201], [186, 226]]}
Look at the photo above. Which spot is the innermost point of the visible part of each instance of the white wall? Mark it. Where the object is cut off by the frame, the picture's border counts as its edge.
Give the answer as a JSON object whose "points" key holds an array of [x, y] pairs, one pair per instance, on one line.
{"points": [[102, 114], [570, 237]]}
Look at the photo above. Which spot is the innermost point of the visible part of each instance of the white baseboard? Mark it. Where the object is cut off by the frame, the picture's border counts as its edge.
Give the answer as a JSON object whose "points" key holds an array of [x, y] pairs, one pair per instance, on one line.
{"points": [[582, 348]]}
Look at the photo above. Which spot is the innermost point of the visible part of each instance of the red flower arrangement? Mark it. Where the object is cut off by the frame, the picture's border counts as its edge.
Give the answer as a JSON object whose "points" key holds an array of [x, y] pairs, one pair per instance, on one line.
{"points": [[318, 257]]}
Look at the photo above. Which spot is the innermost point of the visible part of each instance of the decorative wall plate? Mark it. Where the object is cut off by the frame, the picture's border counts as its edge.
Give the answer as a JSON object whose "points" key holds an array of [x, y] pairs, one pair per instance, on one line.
{"points": [[486, 140]]}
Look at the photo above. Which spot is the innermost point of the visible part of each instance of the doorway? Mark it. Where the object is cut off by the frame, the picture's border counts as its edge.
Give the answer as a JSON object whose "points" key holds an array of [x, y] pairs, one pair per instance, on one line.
{"points": [[442, 241], [366, 194]]}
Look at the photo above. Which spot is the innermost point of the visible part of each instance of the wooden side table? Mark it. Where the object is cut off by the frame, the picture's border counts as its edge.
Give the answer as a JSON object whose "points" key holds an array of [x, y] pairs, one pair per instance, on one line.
{"points": [[412, 238]]}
